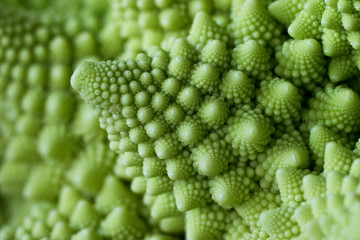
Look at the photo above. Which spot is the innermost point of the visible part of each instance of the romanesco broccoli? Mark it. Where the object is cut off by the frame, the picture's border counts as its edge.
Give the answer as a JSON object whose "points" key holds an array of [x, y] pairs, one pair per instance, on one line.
{"points": [[173, 119]]}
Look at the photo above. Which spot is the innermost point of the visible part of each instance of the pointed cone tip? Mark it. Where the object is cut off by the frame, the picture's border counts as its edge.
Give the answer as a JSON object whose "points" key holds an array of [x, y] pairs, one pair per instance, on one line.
{"points": [[79, 73]]}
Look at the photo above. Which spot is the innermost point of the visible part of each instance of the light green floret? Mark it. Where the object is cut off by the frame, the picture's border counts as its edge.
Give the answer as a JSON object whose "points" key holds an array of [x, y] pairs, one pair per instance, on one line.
{"points": [[156, 23], [334, 180], [256, 234], [138, 135], [68, 198], [350, 185], [253, 59], [158, 185], [173, 225], [258, 201], [319, 205], [15, 92], [123, 172], [180, 68], [357, 5], [60, 50], [335, 43], [345, 6], [86, 125], [171, 87], [236, 87], [181, 47], [167, 146], [356, 58], [203, 29], [153, 167], [208, 222], [355, 167], [253, 21], [285, 11], [338, 158], [111, 42], [144, 115], [84, 215], [138, 185], [319, 137], [248, 132], [160, 102], [156, 128], [353, 38], [357, 147], [125, 145], [158, 236], [340, 103], [189, 98], [122, 224], [180, 167], [279, 223], [174, 114], [230, 188], [351, 21], [57, 144], [44, 183], [336, 221], [86, 70], [290, 183], [114, 193], [22, 149], [33, 101], [213, 112], [91, 168], [164, 206], [133, 171], [280, 100], [40, 230], [287, 151], [342, 68], [331, 19], [6, 232], [190, 132], [191, 193], [129, 159], [86, 234], [313, 186], [146, 149], [215, 53], [160, 58], [37, 74], [28, 223], [223, 5], [84, 45], [212, 155], [205, 77], [302, 62], [307, 23], [235, 229], [61, 231], [13, 177], [55, 217], [18, 72]]}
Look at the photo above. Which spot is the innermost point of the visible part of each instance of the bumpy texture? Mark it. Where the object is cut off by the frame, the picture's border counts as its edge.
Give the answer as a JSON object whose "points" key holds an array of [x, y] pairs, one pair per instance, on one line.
{"points": [[48, 136], [234, 119]]}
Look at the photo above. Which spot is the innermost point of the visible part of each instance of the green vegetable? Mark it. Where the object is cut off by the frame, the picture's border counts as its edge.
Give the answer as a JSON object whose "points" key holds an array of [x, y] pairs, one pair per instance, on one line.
{"points": [[223, 119]]}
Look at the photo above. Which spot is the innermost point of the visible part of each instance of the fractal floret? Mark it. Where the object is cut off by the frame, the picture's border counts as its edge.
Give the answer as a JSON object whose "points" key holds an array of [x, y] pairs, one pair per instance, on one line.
{"points": [[174, 119]]}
